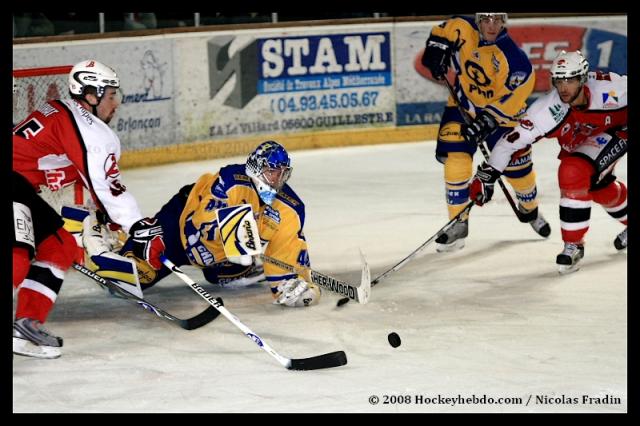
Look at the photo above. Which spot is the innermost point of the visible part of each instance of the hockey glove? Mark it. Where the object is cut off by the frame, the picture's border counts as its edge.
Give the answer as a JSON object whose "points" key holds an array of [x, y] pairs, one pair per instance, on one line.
{"points": [[437, 56], [481, 188], [483, 125], [296, 292], [148, 244]]}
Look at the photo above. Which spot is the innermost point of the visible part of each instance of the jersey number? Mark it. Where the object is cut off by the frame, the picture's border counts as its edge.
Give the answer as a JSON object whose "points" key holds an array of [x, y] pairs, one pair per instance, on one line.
{"points": [[29, 129]]}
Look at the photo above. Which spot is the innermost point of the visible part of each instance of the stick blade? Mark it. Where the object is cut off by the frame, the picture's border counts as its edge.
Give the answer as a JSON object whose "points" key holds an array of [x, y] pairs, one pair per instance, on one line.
{"points": [[330, 360], [203, 318], [364, 291]]}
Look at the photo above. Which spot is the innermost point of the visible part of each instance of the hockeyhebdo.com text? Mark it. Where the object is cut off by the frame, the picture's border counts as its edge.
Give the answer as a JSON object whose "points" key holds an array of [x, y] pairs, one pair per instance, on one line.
{"points": [[527, 401]]}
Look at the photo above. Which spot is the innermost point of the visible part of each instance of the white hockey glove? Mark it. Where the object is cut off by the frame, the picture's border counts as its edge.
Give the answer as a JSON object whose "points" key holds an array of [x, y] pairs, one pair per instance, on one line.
{"points": [[296, 292]]}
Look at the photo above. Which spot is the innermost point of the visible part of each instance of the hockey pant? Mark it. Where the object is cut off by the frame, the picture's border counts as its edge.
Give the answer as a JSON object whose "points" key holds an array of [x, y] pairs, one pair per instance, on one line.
{"points": [[457, 156], [582, 182], [42, 251]]}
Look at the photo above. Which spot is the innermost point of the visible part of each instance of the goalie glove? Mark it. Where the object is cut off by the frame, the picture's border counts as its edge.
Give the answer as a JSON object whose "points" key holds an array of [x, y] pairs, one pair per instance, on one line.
{"points": [[146, 235], [296, 292], [481, 188]]}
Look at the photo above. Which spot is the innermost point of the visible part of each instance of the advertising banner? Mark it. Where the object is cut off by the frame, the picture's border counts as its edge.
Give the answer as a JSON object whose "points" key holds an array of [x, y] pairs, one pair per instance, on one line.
{"points": [[421, 100], [145, 67], [286, 82]]}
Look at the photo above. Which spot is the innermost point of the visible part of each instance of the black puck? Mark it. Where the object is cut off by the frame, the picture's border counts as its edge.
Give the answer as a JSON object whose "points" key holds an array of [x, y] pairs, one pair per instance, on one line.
{"points": [[342, 301], [394, 339]]}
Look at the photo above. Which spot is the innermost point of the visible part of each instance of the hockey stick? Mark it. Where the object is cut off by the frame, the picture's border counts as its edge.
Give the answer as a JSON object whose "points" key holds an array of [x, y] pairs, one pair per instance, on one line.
{"points": [[360, 294], [192, 323], [329, 360], [467, 119], [413, 254]]}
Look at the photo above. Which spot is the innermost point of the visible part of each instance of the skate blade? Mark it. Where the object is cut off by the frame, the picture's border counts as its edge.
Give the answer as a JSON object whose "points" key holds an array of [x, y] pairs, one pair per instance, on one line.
{"points": [[26, 348], [567, 269], [454, 246]]}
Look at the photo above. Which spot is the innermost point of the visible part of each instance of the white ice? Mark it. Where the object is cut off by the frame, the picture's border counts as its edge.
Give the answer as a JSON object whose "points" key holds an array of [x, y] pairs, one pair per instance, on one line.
{"points": [[494, 320]]}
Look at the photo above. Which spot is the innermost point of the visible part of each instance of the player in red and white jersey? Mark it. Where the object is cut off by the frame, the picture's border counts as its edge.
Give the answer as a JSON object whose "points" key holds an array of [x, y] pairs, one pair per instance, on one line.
{"points": [[62, 142], [587, 113]]}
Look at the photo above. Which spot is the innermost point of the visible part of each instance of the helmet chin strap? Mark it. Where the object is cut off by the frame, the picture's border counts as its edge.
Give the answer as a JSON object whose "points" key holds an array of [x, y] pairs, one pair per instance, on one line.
{"points": [[94, 108]]}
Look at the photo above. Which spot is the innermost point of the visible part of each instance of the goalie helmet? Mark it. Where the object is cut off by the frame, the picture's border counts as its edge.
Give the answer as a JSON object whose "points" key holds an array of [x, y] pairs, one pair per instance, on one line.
{"points": [[569, 65], [91, 73], [269, 168]]}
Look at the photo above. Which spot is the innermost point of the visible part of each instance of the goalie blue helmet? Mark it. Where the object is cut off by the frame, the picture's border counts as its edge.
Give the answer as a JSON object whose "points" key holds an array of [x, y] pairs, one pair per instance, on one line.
{"points": [[269, 167]]}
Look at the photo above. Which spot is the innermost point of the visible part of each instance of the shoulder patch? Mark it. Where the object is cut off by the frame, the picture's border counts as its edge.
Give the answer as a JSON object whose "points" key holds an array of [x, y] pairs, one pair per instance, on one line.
{"points": [[516, 79], [556, 112], [610, 99]]}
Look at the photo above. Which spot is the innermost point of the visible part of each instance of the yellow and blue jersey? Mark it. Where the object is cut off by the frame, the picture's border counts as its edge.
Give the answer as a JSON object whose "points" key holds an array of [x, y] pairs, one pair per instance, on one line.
{"points": [[496, 77], [280, 224]]}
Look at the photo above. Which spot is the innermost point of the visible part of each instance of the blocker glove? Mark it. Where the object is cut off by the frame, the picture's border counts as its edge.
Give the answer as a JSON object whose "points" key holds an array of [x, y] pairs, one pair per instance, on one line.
{"points": [[148, 244], [437, 56], [482, 126], [481, 188]]}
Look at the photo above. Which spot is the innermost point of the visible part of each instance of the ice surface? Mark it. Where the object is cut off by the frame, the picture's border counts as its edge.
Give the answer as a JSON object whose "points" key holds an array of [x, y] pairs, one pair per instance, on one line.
{"points": [[494, 320]]}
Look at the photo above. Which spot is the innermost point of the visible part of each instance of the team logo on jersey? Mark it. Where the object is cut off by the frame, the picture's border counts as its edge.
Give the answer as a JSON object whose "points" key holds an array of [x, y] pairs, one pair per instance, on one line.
{"points": [[112, 175], [610, 100], [476, 55], [565, 129], [526, 124], [272, 214]]}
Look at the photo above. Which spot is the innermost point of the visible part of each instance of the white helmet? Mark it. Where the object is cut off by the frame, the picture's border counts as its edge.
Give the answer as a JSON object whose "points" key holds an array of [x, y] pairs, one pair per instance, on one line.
{"points": [[92, 73], [568, 65], [482, 15]]}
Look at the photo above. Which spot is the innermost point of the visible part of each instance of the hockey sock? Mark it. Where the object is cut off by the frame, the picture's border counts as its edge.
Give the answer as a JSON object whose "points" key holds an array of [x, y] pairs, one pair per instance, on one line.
{"points": [[614, 200], [457, 173]]}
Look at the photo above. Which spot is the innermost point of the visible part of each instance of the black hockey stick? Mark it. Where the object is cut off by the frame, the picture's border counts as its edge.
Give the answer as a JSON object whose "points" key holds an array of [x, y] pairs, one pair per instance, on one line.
{"points": [[203, 318], [329, 360], [411, 255], [467, 119]]}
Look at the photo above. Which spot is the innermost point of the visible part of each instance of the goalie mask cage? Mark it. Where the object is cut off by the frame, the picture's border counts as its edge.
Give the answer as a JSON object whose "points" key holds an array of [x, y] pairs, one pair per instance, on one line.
{"points": [[34, 87]]}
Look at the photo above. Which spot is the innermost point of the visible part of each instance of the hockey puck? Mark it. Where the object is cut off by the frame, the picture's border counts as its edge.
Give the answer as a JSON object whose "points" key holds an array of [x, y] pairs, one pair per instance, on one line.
{"points": [[342, 301], [394, 339]]}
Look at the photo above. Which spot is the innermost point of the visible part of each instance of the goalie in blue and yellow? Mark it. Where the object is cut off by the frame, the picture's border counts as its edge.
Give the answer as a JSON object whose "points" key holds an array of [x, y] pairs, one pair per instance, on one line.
{"points": [[493, 80], [192, 232]]}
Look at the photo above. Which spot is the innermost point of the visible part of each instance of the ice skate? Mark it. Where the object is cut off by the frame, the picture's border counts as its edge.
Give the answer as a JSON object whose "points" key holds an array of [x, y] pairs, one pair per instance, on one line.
{"points": [[621, 240], [568, 260], [453, 238], [30, 338], [538, 223]]}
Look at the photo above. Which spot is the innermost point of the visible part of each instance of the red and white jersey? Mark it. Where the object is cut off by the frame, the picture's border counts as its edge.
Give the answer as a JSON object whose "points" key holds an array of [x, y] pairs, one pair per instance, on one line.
{"points": [[61, 143], [549, 117]]}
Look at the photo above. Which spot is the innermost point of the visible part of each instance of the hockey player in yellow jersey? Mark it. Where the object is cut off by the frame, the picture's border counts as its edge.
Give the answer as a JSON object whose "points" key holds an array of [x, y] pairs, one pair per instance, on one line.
{"points": [[493, 80], [193, 236]]}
